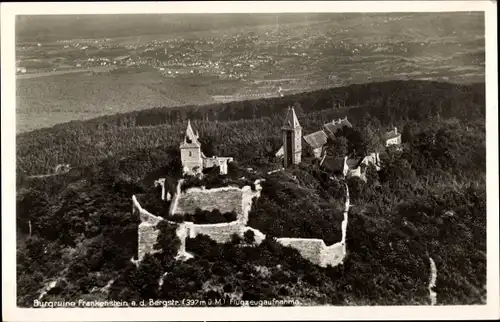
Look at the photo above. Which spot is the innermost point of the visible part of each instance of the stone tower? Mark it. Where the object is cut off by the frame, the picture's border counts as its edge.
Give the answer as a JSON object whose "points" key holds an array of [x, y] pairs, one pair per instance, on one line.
{"points": [[191, 158], [292, 139]]}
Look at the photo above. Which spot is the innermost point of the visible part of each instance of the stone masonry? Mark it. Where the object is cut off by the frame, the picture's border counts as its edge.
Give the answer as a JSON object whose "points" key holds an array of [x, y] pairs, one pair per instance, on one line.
{"points": [[314, 250]]}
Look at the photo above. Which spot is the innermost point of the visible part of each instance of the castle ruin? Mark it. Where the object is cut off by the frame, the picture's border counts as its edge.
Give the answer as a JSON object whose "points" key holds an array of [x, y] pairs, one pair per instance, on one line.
{"points": [[192, 158], [313, 249], [227, 199]]}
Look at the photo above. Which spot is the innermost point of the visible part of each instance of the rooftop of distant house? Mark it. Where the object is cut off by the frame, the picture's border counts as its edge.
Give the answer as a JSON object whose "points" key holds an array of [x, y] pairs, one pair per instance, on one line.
{"points": [[291, 120], [316, 139], [392, 134], [333, 164], [336, 125]]}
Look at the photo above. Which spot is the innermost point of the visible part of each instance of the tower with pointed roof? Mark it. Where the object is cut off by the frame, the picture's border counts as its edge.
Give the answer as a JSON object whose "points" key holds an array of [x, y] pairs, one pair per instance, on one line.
{"points": [[292, 139], [191, 156]]}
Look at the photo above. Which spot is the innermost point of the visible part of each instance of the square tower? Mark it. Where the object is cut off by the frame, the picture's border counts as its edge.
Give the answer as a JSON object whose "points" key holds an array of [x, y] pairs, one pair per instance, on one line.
{"points": [[292, 139], [191, 157]]}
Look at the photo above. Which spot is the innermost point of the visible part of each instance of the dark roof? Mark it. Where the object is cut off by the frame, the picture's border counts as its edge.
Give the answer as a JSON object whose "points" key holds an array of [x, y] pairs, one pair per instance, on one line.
{"points": [[316, 139], [291, 120], [392, 134], [336, 125], [354, 163], [333, 164], [190, 139]]}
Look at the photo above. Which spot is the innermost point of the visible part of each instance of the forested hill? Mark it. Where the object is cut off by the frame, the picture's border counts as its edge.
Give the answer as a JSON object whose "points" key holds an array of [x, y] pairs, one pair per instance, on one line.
{"points": [[427, 201], [82, 143]]}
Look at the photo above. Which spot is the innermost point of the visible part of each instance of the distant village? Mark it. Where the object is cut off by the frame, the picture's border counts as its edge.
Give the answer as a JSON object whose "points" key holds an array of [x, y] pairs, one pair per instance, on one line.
{"points": [[178, 56]]}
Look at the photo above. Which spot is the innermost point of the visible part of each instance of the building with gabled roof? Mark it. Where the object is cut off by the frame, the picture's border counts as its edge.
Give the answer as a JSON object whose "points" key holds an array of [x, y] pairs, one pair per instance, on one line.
{"points": [[315, 140], [335, 125], [350, 167], [392, 137], [194, 160], [334, 165]]}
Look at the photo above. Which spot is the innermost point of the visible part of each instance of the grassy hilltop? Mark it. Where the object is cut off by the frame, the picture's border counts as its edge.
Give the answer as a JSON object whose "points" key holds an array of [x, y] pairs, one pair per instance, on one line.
{"points": [[428, 200]]}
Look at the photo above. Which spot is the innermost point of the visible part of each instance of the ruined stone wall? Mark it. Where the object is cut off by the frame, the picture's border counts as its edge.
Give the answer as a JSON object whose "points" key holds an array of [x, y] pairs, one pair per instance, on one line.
{"points": [[147, 232], [258, 235], [309, 248], [221, 233], [175, 198], [332, 255], [224, 199], [314, 250], [215, 161], [147, 235], [144, 215]]}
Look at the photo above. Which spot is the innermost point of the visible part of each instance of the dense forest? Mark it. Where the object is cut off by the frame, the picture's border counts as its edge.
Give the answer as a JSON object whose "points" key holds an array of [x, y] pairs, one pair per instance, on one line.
{"points": [[227, 128], [428, 200]]}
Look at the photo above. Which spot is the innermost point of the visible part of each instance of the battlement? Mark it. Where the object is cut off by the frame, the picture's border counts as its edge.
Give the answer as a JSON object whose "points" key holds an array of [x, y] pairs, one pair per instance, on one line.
{"points": [[313, 249]]}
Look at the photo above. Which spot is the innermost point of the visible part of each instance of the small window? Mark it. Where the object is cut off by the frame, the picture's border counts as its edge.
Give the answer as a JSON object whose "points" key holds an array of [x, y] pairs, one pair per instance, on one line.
{"points": [[190, 154]]}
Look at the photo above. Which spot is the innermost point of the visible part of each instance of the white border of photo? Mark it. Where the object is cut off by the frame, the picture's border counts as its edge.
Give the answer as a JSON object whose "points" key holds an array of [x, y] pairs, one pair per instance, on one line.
{"points": [[13, 313]]}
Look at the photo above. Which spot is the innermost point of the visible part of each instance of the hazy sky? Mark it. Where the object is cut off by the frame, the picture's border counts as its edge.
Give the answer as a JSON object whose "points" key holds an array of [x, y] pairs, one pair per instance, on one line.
{"points": [[50, 27]]}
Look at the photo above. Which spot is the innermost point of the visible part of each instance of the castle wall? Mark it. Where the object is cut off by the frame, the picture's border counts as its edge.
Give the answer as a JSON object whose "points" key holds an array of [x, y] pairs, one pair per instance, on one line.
{"points": [[332, 255], [258, 235], [147, 235], [221, 162], [226, 199], [221, 233], [147, 232], [175, 198], [314, 250], [215, 161], [144, 215], [309, 248], [191, 158]]}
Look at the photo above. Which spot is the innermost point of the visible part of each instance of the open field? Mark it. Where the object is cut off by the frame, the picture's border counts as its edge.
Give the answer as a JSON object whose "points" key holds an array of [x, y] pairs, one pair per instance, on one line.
{"points": [[50, 100], [216, 60]]}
